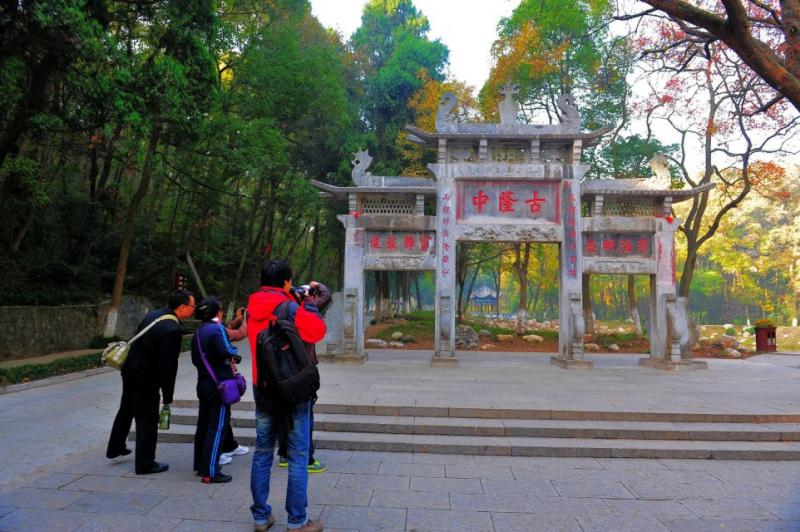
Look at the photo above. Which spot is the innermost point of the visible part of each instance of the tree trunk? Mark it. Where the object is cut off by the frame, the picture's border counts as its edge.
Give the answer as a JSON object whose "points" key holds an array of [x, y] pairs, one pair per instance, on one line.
{"points": [[312, 264], [416, 288], [196, 275], [521, 267], [245, 247], [378, 297], [127, 239], [588, 315], [23, 230], [633, 307]]}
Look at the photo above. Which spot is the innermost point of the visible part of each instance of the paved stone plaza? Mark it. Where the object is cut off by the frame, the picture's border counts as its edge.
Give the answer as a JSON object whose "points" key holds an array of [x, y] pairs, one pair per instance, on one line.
{"points": [[54, 475]]}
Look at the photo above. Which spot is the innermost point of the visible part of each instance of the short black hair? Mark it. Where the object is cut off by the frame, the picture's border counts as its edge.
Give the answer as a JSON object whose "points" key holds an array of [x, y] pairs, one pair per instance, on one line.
{"points": [[275, 273], [208, 309], [178, 298]]}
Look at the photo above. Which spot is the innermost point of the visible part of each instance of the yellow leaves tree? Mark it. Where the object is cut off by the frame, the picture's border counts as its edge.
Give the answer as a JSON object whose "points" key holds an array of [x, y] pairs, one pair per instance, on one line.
{"points": [[425, 104]]}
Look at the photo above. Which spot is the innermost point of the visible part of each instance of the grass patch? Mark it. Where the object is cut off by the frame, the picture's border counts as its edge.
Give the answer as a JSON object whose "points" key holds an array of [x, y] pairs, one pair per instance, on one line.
{"points": [[34, 372]]}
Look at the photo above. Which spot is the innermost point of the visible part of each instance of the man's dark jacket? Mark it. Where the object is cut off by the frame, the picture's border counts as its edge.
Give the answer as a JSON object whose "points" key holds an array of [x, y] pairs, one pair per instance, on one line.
{"points": [[153, 359]]}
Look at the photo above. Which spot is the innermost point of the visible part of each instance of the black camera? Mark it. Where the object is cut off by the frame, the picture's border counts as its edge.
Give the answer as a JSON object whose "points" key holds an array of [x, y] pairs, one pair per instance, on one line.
{"points": [[303, 291]]}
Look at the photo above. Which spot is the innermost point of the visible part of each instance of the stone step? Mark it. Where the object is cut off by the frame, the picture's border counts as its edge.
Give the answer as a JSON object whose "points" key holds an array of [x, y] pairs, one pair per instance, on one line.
{"points": [[631, 430], [523, 446], [506, 413]]}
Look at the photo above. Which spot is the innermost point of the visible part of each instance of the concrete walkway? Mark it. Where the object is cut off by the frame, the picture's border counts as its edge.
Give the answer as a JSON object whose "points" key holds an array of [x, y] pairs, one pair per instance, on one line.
{"points": [[54, 475]]}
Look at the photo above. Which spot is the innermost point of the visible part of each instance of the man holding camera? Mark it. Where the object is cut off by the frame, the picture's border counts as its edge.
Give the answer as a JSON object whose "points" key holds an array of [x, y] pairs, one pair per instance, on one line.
{"points": [[276, 290]]}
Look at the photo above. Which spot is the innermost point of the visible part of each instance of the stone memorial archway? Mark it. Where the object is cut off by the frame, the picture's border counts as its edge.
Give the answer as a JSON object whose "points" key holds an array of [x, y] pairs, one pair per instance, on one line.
{"points": [[512, 182]]}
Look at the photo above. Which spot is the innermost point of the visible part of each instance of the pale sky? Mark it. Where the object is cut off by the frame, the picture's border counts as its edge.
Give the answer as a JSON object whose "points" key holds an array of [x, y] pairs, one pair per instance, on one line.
{"points": [[467, 27]]}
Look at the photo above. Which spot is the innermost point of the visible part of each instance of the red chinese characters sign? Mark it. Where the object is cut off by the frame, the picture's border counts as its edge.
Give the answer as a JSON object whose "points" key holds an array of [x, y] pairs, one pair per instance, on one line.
{"points": [[400, 243], [570, 231], [524, 200], [617, 245], [446, 219]]}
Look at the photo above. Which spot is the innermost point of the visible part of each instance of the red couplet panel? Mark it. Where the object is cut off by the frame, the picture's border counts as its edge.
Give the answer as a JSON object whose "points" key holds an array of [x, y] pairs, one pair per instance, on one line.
{"points": [[523, 200]]}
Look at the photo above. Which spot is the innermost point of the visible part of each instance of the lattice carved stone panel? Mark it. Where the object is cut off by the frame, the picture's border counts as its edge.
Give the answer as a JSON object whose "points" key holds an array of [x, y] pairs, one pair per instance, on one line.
{"points": [[388, 206], [628, 207]]}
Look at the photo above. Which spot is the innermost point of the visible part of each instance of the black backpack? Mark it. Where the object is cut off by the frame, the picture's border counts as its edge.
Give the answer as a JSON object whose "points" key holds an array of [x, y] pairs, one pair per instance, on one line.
{"points": [[286, 376]]}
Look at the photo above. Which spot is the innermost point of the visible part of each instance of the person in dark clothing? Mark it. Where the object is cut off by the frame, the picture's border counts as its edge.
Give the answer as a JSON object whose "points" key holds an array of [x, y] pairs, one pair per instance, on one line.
{"points": [[210, 345], [236, 330], [152, 364], [320, 299]]}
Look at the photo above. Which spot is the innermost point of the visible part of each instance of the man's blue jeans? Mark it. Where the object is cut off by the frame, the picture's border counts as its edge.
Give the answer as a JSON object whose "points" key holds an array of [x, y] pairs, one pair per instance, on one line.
{"points": [[297, 488]]}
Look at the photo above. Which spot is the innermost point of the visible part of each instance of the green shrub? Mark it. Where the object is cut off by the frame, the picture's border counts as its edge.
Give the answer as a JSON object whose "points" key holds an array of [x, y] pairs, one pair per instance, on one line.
{"points": [[186, 342], [101, 342], [730, 331], [62, 366]]}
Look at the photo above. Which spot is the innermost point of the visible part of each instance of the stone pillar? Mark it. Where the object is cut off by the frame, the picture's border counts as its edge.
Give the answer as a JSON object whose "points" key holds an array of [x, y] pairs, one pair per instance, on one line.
{"points": [[663, 354], [353, 294], [571, 325], [444, 305]]}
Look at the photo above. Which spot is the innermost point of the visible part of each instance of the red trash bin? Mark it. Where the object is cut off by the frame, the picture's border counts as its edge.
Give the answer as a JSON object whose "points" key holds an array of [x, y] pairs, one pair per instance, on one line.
{"points": [[765, 340]]}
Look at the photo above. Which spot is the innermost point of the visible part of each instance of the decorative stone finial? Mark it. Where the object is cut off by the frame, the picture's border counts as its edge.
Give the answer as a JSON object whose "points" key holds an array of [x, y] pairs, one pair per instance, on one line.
{"points": [[569, 111], [509, 107], [659, 164], [444, 115], [361, 161]]}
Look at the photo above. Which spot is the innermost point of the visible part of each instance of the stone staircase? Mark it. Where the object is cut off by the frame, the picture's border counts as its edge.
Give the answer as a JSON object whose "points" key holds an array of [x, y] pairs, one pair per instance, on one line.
{"points": [[507, 432]]}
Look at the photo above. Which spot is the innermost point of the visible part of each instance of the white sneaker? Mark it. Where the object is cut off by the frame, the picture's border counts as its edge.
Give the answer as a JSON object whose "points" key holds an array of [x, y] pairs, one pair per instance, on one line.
{"points": [[239, 451], [224, 459]]}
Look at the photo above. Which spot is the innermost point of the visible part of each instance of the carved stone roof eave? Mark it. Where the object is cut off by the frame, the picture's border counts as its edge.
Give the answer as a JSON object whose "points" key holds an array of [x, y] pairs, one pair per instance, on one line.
{"points": [[639, 188], [334, 190], [430, 139]]}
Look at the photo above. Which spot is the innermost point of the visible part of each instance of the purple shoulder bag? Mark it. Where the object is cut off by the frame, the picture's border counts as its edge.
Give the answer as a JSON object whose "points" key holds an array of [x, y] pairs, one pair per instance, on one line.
{"points": [[230, 390]]}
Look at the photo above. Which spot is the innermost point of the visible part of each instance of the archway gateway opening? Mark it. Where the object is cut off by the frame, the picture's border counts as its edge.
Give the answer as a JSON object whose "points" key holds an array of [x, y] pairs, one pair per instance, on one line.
{"points": [[398, 309], [509, 292], [522, 183]]}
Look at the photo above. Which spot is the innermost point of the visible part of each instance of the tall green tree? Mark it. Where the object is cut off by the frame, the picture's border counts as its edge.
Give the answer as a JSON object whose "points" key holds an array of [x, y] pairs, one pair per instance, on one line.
{"points": [[390, 48]]}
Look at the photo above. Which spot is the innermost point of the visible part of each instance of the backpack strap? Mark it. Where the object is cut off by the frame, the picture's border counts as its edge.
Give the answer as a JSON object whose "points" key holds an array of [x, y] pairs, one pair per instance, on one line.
{"points": [[203, 356], [281, 312]]}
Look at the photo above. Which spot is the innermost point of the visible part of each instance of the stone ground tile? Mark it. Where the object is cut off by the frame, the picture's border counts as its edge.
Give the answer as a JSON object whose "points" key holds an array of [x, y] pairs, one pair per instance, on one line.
{"points": [[603, 523], [696, 465], [606, 475], [410, 499], [728, 509], [39, 498], [592, 488], [364, 518], [182, 488], [659, 509], [355, 496], [383, 456], [774, 526], [639, 464], [116, 503], [527, 522], [539, 487], [549, 474], [445, 520], [194, 508], [332, 454], [244, 515], [386, 482], [476, 471], [514, 462], [30, 519], [99, 465], [706, 525], [449, 485], [52, 480], [569, 462], [655, 489], [789, 510], [190, 525], [6, 510], [411, 470], [109, 484], [683, 476], [355, 467], [129, 523], [443, 459]]}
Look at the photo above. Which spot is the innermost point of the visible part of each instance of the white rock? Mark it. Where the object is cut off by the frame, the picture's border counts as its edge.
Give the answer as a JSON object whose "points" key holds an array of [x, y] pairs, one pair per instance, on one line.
{"points": [[505, 337], [594, 348], [397, 345], [376, 342], [733, 353], [614, 347], [397, 335], [533, 338], [484, 332], [487, 347]]}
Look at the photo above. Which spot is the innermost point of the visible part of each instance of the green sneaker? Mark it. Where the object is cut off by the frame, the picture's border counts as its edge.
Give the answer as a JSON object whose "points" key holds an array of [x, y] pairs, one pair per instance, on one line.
{"points": [[283, 462], [316, 467]]}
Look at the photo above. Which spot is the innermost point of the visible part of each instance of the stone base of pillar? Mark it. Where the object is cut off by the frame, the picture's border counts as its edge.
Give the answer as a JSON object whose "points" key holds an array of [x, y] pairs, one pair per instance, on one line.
{"points": [[444, 362], [570, 363], [670, 365], [351, 359], [327, 357]]}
